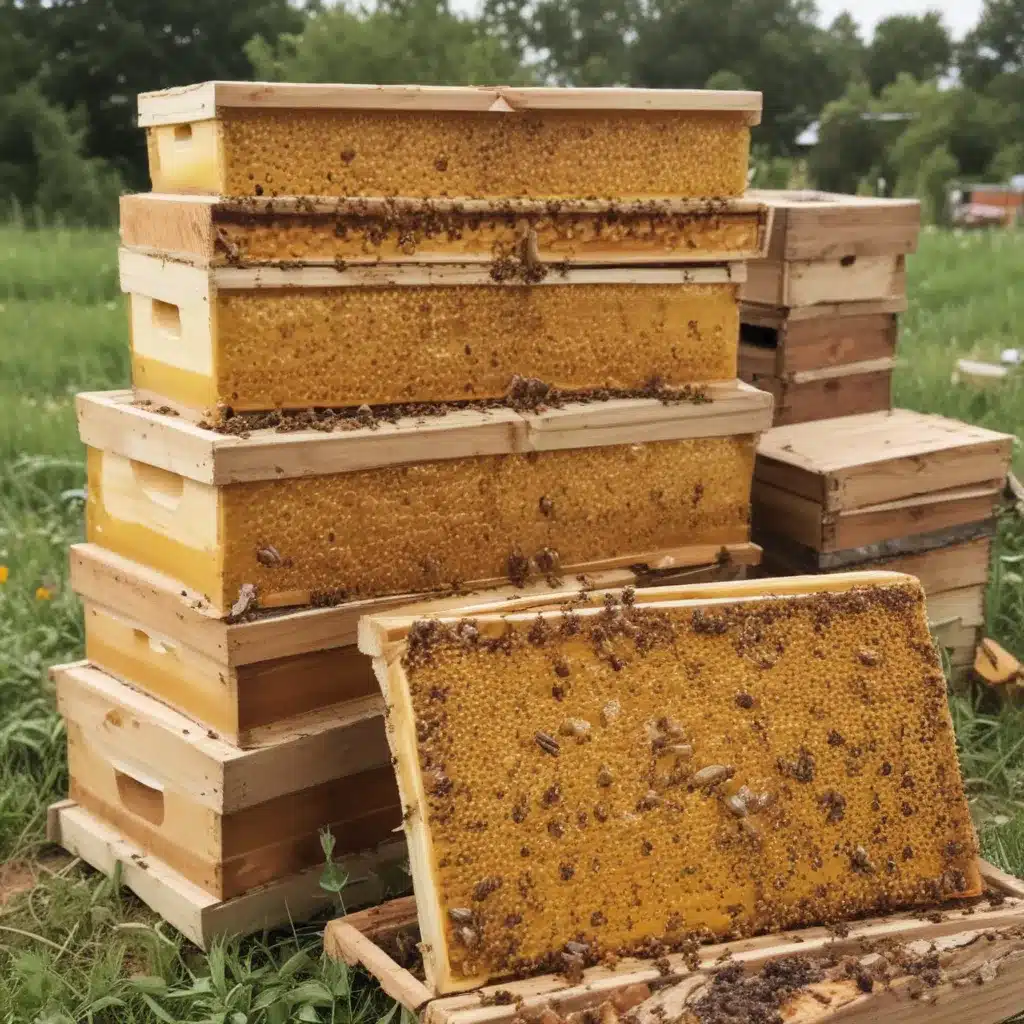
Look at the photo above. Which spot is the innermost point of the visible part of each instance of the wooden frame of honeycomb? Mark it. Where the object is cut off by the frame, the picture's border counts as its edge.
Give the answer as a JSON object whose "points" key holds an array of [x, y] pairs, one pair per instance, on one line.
{"points": [[263, 338], [475, 498], [253, 680], [643, 733], [268, 139], [940, 968], [227, 820], [221, 231]]}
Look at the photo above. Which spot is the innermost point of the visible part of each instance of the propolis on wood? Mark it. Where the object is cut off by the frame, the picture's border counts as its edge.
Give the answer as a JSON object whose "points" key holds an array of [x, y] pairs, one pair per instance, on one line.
{"points": [[639, 775]]}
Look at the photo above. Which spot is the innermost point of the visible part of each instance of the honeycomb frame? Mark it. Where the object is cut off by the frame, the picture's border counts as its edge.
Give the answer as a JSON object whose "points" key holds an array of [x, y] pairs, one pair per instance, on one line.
{"points": [[855, 843], [240, 139], [259, 339], [514, 236]]}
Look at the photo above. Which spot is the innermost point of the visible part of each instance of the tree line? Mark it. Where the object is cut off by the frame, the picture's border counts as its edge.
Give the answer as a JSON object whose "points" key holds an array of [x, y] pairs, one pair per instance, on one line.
{"points": [[907, 112]]}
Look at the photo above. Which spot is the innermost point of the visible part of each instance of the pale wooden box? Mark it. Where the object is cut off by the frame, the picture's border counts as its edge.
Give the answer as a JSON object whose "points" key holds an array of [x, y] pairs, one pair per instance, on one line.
{"points": [[227, 820]]}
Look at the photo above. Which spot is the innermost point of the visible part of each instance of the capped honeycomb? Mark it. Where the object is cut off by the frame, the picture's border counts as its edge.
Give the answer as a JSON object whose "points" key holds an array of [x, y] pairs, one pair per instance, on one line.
{"points": [[639, 777], [422, 526], [348, 346], [550, 154]]}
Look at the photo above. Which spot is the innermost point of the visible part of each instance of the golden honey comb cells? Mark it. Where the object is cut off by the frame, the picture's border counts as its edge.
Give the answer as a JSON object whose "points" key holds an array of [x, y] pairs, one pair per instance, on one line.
{"points": [[634, 778], [220, 231], [422, 526], [236, 139], [256, 340]]}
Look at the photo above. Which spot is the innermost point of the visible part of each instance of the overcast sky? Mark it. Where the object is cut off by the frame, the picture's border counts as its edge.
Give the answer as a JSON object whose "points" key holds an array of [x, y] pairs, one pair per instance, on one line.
{"points": [[959, 15]]}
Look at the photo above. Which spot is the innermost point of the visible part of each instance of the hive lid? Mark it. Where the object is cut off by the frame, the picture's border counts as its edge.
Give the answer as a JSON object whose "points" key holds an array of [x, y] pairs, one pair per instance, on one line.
{"points": [[750, 713], [873, 458], [206, 99], [111, 422], [812, 225]]}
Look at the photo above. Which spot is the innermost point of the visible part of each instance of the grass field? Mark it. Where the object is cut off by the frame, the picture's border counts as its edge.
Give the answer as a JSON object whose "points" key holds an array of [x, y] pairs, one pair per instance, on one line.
{"points": [[75, 948]]}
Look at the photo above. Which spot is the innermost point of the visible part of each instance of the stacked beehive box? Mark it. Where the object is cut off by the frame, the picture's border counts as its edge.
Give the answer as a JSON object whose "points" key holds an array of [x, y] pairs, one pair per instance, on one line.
{"points": [[820, 312], [382, 347], [897, 490]]}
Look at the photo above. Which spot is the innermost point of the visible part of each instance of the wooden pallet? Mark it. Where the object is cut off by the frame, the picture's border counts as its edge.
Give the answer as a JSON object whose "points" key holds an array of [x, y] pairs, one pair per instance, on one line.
{"points": [[222, 231], [199, 916], [265, 139], [229, 820], [257, 680], [980, 952]]}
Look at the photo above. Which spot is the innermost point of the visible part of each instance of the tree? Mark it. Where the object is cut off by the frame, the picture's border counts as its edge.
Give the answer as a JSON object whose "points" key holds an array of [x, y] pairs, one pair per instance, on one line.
{"points": [[995, 47], [776, 46], [418, 41], [850, 147], [846, 48], [42, 164], [908, 44], [98, 54]]}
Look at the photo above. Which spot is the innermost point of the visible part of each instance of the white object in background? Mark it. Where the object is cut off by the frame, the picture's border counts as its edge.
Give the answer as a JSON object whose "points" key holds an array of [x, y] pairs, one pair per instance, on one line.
{"points": [[1011, 357]]}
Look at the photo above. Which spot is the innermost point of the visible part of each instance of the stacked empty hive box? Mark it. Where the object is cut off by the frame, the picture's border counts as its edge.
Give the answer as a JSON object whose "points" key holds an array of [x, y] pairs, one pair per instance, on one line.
{"points": [[382, 350], [820, 312], [897, 490]]}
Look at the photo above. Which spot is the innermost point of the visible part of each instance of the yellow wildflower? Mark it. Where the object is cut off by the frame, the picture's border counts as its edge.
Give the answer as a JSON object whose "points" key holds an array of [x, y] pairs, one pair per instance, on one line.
{"points": [[3, 573], [43, 593]]}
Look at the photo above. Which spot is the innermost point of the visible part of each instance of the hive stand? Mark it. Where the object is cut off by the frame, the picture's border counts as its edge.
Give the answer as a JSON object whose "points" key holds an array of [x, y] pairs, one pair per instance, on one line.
{"points": [[980, 951]]}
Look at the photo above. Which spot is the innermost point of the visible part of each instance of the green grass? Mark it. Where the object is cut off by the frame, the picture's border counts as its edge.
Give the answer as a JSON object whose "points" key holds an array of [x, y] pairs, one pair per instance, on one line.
{"points": [[76, 947]]}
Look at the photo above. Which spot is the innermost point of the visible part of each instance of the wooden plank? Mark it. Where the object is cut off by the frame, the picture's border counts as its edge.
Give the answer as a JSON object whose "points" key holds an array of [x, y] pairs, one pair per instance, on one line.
{"points": [[111, 422], [205, 100], [852, 461], [226, 231], [812, 283], [773, 315], [882, 364], [344, 942], [818, 400], [199, 916]]}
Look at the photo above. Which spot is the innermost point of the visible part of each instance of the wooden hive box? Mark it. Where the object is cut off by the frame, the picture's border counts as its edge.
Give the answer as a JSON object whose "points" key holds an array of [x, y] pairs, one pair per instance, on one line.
{"points": [[250, 681], [472, 498], [829, 248], [807, 395], [817, 761], [225, 819], [779, 342], [941, 966], [856, 481], [209, 340], [523, 236], [202, 917], [269, 139]]}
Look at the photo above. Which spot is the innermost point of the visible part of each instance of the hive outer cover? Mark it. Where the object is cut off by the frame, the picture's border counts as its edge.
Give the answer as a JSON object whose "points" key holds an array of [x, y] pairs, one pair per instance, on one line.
{"points": [[583, 779]]}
